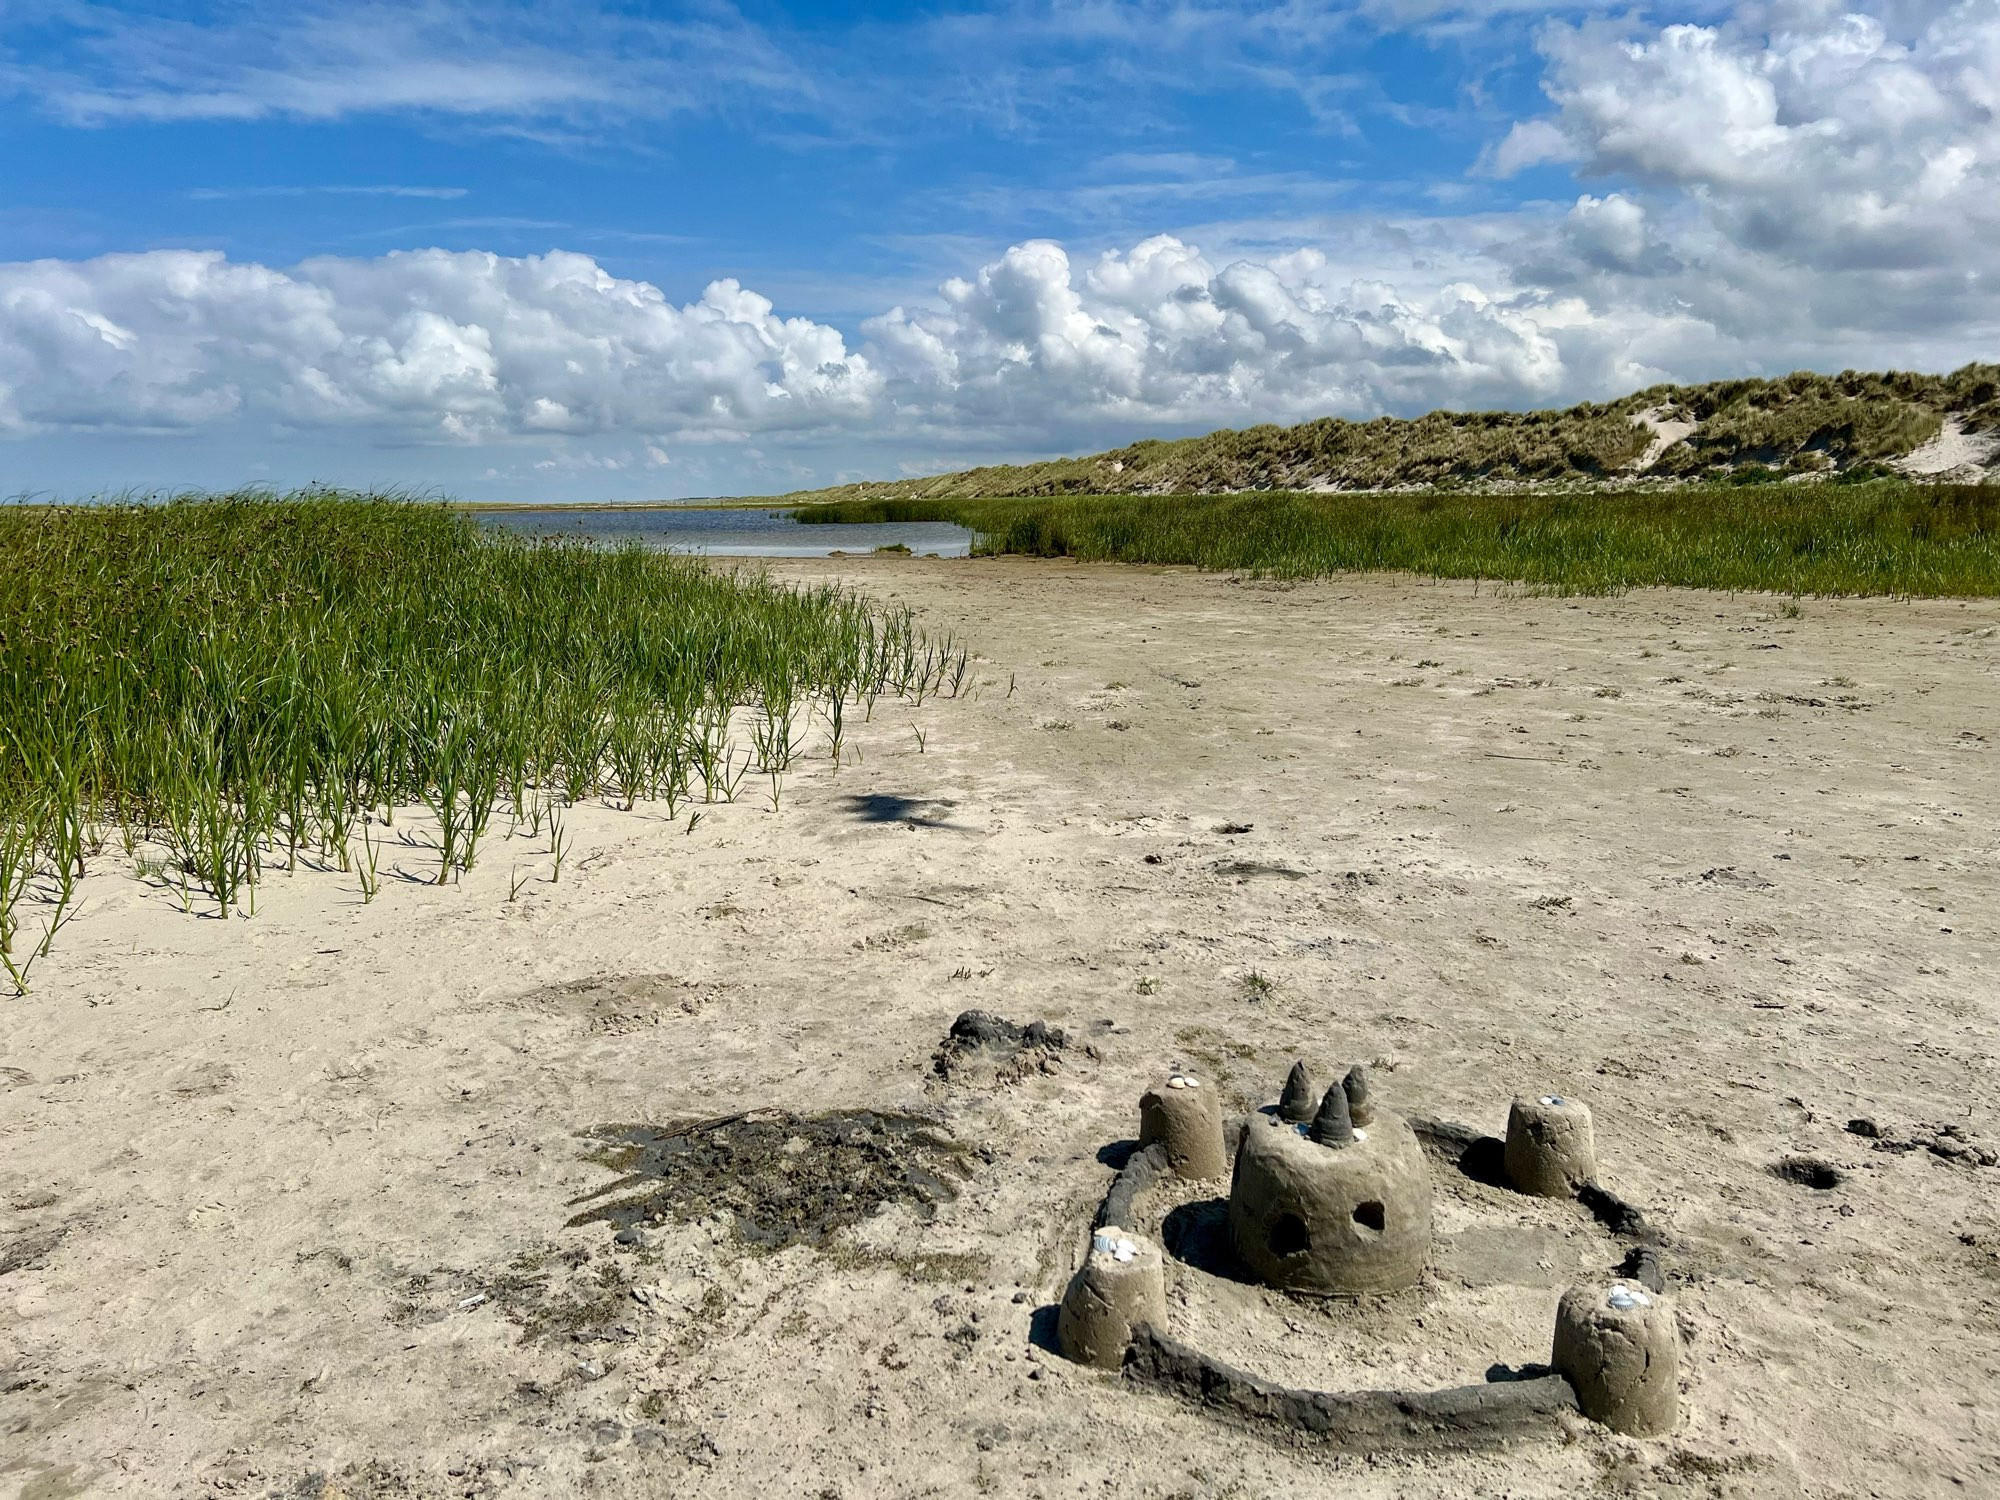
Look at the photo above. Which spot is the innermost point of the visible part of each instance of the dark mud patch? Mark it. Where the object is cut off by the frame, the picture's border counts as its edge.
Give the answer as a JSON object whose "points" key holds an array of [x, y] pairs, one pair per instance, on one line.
{"points": [[554, 1294], [1735, 879], [783, 1179], [1619, 1215], [1946, 1142], [984, 1047], [1642, 1264]]}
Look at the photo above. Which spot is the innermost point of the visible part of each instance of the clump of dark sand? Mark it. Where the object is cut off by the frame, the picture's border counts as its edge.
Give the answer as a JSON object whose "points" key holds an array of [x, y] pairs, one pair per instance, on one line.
{"points": [[981, 1046], [784, 1179]]}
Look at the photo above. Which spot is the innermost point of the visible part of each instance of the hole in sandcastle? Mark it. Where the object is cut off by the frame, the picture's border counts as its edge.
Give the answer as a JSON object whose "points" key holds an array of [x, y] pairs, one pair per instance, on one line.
{"points": [[1370, 1216], [1289, 1236], [1810, 1172], [783, 1179]]}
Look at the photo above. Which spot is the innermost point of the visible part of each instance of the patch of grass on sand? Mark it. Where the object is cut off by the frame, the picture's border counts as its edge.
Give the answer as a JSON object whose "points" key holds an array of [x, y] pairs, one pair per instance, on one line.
{"points": [[239, 683], [1881, 537]]}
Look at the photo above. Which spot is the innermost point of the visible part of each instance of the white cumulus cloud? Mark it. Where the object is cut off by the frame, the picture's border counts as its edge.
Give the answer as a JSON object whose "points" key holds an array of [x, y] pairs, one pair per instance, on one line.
{"points": [[1811, 183], [439, 346], [1803, 132], [1159, 332], [413, 345]]}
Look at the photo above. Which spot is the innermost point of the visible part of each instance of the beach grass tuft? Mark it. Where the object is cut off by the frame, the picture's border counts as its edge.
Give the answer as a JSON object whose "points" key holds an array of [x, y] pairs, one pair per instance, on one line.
{"points": [[1879, 537], [250, 683]]}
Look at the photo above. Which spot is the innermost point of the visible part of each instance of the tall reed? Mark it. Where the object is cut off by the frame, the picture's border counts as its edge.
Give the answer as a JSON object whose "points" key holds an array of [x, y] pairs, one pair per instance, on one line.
{"points": [[1884, 537], [249, 682]]}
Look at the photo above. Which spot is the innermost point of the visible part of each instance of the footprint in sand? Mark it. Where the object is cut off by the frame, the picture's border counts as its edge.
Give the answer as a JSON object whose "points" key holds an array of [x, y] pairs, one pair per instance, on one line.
{"points": [[214, 1216]]}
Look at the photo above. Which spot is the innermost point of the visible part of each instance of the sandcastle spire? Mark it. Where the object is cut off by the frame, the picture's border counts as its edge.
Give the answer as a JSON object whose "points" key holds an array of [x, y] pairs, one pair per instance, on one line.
{"points": [[1355, 1086], [1299, 1100], [1332, 1126]]}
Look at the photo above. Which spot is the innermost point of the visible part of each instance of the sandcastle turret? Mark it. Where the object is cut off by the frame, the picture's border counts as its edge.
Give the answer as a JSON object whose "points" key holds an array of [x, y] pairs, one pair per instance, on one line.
{"points": [[1121, 1284], [1185, 1115], [1334, 1207], [1550, 1150], [1355, 1087], [1332, 1123], [1619, 1348]]}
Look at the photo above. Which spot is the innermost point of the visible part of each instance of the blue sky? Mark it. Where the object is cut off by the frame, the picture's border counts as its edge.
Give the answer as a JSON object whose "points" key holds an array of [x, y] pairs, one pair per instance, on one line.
{"points": [[568, 251]]}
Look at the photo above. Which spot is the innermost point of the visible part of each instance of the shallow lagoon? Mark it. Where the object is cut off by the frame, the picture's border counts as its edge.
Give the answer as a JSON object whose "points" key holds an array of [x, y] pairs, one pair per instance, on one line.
{"points": [[720, 532]]}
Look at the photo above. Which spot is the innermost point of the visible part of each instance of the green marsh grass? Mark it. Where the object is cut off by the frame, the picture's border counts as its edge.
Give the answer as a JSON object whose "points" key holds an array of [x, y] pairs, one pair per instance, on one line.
{"points": [[251, 683], [1880, 537]]}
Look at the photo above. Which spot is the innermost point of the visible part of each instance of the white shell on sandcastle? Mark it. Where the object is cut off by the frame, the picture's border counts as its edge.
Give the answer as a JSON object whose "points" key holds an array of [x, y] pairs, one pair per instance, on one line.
{"points": [[1121, 1284], [1619, 1348], [1186, 1118], [1329, 1209], [1550, 1151]]}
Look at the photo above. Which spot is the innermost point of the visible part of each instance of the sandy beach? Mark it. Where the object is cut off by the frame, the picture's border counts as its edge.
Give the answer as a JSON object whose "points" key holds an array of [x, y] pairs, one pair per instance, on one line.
{"points": [[286, 1202]]}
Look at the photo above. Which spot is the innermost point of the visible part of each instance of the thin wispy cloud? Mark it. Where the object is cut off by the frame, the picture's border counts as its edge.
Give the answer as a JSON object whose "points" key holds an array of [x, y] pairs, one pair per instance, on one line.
{"points": [[550, 71], [342, 190], [1114, 207], [1180, 164], [495, 61], [475, 221]]}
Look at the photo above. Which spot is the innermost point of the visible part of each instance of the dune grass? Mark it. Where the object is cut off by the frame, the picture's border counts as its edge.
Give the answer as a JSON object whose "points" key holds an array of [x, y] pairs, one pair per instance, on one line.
{"points": [[1883, 537], [1802, 423], [253, 683]]}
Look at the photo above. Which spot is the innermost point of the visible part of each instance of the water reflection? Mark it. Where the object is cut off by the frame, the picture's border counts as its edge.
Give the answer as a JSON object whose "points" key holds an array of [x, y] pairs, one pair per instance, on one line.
{"points": [[712, 531]]}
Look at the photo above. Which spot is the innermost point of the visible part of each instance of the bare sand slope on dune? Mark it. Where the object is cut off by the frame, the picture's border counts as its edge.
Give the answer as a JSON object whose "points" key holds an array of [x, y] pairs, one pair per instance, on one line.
{"points": [[1953, 454], [285, 1203]]}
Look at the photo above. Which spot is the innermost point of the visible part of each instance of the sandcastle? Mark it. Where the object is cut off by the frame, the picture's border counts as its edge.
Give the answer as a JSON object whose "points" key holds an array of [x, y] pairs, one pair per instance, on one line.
{"points": [[1186, 1118], [1550, 1151], [1336, 1207], [1330, 1196], [1619, 1348], [1120, 1286]]}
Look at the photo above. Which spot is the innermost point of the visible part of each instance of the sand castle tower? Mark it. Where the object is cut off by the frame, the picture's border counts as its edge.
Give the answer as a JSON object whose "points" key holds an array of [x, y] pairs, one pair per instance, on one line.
{"points": [[1619, 1346], [1185, 1116], [1338, 1206], [1550, 1149], [1121, 1284], [1300, 1100]]}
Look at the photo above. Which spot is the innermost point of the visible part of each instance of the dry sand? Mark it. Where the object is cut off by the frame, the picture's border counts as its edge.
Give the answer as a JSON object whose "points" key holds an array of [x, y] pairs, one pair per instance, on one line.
{"points": [[1953, 454], [1727, 874], [1666, 431]]}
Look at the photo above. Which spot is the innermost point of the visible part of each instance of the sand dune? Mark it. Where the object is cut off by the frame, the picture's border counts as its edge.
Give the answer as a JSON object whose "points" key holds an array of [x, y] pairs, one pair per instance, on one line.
{"points": [[1953, 454]]}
